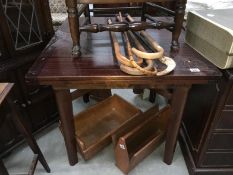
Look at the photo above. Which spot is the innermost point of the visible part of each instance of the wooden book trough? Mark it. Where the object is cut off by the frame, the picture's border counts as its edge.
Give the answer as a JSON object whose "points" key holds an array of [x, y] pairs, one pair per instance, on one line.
{"points": [[94, 126], [138, 137]]}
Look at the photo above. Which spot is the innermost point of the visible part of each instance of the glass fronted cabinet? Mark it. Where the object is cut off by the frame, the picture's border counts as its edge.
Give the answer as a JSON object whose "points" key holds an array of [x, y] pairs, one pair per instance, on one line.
{"points": [[25, 24]]}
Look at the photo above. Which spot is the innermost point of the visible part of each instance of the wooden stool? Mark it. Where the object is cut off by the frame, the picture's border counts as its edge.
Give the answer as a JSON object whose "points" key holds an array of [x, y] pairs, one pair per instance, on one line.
{"points": [[75, 28], [4, 91]]}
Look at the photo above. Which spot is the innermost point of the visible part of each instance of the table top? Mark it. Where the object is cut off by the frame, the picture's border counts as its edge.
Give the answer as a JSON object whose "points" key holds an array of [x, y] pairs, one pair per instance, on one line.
{"points": [[97, 66], [4, 90]]}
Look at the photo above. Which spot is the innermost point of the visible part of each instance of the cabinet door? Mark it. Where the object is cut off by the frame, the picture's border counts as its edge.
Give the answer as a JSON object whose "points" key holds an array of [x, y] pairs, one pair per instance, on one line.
{"points": [[198, 115], [39, 101], [26, 25], [42, 108], [9, 135]]}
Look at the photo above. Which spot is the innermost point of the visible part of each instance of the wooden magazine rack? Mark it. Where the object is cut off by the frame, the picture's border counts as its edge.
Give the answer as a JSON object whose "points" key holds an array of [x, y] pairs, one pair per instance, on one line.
{"points": [[94, 126], [138, 137], [75, 28]]}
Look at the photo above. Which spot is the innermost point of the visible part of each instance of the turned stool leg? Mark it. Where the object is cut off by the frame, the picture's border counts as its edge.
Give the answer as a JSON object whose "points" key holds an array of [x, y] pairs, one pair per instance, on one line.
{"points": [[179, 18], [19, 122], [143, 18], [74, 25], [87, 14]]}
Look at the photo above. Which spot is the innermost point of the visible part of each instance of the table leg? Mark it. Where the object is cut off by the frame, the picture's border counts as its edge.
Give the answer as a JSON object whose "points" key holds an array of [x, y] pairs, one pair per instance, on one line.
{"points": [[179, 18], [178, 103], [74, 25], [64, 102]]}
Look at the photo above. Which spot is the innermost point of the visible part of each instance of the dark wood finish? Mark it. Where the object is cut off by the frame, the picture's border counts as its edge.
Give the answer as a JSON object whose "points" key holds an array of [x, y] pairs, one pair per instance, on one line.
{"points": [[100, 94], [206, 136], [75, 29], [134, 143], [33, 165], [97, 69], [19, 122], [174, 123], [179, 16], [64, 102], [3, 169], [42, 14], [37, 103], [123, 26], [94, 126], [5, 36]]}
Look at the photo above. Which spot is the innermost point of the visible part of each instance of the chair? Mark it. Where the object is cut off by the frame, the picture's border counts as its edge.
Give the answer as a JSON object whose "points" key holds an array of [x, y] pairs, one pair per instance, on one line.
{"points": [[75, 28]]}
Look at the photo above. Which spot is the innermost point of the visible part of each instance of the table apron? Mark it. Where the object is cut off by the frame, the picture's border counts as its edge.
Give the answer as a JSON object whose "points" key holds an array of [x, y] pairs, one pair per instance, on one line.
{"points": [[122, 84]]}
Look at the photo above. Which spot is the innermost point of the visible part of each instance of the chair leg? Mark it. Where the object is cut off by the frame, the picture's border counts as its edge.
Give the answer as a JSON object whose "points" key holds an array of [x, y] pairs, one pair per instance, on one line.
{"points": [[87, 14], [3, 170], [19, 122], [179, 18], [152, 96], [143, 18], [74, 26], [33, 165]]}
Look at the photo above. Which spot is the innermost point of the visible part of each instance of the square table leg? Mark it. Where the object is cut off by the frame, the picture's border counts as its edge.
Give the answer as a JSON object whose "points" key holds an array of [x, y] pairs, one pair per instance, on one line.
{"points": [[178, 103], [64, 102]]}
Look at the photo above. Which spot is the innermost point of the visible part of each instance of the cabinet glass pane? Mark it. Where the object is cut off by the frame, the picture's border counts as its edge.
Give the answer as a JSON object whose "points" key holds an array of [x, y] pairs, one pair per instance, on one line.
{"points": [[23, 22]]}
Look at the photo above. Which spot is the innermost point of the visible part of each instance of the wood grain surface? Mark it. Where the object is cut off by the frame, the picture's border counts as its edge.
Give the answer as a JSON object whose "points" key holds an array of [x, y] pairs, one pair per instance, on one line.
{"points": [[98, 66]]}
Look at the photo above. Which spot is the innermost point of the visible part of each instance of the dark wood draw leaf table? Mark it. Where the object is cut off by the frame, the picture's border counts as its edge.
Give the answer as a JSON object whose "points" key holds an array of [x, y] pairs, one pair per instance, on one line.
{"points": [[98, 69]]}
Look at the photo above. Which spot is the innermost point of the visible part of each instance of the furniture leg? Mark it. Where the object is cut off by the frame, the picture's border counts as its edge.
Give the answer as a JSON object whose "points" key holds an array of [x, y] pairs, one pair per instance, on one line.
{"points": [[74, 25], [152, 96], [179, 18], [87, 14], [19, 122], [3, 170], [178, 103], [143, 18], [86, 98], [64, 102]]}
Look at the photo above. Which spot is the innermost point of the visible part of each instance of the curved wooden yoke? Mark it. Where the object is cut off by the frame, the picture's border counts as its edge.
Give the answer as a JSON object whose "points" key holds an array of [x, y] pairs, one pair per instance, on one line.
{"points": [[75, 29]]}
